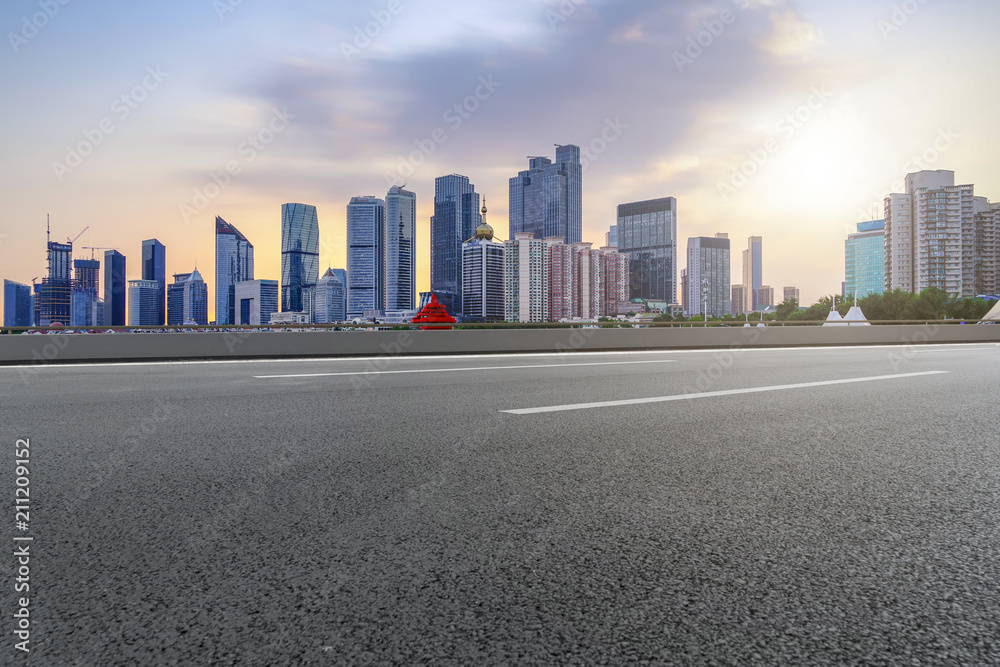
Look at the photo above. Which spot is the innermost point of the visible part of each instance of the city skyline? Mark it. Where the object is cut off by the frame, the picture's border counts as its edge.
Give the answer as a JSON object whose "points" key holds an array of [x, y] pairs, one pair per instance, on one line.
{"points": [[790, 113]]}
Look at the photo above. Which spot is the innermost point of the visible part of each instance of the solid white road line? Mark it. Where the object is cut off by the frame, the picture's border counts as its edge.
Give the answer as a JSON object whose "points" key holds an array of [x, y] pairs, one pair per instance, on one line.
{"points": [[708, 394], [477, 368]]}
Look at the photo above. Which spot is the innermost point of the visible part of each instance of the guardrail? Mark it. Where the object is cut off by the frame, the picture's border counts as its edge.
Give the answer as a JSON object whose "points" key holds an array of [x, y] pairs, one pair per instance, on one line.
{"points": [[377, 326], [59, 347]]}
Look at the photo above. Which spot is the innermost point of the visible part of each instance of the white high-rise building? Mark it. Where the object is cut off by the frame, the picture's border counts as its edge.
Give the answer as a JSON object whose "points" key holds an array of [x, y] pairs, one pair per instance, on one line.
{"points": [[483, 275], [233, 264], [930, 235], [330, 299], [526, 278], [708, 275]]}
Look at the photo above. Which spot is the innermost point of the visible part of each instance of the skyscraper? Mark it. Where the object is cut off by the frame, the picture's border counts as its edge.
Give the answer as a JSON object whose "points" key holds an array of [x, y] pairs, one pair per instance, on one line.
{"points": [[86, 307], [765, 297], [331, 304], [791, 293], [114, 288], [233, 264], [546, 200], [256, 301], [17, 304], [708, 273], [299, 256], [154, 267], [987, 251], [52, 296], [864, 260], [752, 272], [456, 216], [930, 234], [647, 233], [483, 276], [187, 300], [365, 226], [400, 250], [142, 296]]}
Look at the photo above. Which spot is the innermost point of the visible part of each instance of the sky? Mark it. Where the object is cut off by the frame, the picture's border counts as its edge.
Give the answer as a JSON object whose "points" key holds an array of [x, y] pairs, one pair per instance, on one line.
{"points": [[784, 119]]}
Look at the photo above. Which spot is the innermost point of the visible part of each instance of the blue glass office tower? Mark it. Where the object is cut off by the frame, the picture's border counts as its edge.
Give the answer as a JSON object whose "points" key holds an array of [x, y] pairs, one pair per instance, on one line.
{"points": [[365, 226], [400, 249], [864, 260], [456, 216], [114, 288], [547, 199], [647, 233], [17, 304], [299, 256], [233, 264], [154, 267]]}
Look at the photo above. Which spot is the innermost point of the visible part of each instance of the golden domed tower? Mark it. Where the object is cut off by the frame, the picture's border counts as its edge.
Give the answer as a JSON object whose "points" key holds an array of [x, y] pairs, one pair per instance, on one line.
{"points": [[484, 231]]}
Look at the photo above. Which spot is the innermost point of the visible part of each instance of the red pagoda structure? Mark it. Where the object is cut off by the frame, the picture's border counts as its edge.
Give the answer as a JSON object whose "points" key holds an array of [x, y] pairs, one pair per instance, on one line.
{"points": [[433, 313]]}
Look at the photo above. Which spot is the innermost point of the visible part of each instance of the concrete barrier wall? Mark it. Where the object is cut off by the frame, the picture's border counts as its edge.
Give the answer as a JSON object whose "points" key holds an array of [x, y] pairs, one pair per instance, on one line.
{"points": [[69, 348]]}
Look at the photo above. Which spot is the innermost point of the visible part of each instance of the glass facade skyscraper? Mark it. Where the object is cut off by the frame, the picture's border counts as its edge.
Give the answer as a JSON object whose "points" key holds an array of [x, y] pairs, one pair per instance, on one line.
{"points": [[17, 304], [187, 299], [365, 226], [154, 267], [114, 288], [864, 260], [299, 256], [647, 233], [546, 200], [400, 249], [331, 305], [456, 216], [233, 264]]}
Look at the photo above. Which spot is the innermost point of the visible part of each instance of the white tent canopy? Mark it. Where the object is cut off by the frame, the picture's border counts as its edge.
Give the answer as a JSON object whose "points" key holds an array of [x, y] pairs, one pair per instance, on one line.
{"points": [[856, 317], [834, 320], [994, 313]]}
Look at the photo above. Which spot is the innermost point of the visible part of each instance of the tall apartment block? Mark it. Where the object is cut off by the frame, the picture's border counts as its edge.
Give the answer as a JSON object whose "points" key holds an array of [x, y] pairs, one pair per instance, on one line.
{"points": [[986, 251], [791, 293], [526, 278], [233, 264], [647, 233], [708, 275], [930, 234], [738, 299], [365, 274], [154, 267], [752, 272], [299, 257], [400, 250], [765, 297], [456, 216], [546, 200]]}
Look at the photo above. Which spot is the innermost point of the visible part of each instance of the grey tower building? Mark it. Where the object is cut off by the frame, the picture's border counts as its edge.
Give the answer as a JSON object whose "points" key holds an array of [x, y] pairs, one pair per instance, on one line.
{"points": [[547, 199], [365, 226]]}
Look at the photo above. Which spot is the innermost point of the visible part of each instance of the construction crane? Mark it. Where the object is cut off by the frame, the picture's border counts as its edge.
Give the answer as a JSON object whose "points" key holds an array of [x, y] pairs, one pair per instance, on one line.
{"points": [[92, 248], [70, 241]]}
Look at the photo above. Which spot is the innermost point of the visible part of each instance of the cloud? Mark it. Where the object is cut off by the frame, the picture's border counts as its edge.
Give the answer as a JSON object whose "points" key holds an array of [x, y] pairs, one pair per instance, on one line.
{"points": [[791, 37]]}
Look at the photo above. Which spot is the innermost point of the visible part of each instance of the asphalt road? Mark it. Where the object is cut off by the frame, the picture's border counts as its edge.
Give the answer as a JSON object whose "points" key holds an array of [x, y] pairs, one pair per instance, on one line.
{"points": [[213, 513]]}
